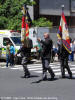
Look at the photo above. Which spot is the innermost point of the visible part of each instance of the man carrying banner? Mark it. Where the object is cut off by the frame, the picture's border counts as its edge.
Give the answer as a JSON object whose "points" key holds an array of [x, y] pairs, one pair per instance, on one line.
{"points": [[65, 49], [25, 50], [64, 61]]}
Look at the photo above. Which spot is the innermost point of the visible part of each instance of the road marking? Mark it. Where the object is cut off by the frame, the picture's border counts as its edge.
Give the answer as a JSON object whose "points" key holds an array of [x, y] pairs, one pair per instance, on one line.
{"points": [[37, 68]]}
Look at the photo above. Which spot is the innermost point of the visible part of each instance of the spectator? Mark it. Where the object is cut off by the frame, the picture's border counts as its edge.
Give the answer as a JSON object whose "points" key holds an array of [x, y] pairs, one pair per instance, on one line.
{"points": [[55, 53], [71, 56], [7, 53], [12, 54], [39, 48]]}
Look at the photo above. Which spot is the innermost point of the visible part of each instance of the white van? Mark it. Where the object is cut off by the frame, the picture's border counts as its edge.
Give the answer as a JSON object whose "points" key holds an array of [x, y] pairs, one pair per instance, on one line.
{"points": [[11, 36], [14, 37]]}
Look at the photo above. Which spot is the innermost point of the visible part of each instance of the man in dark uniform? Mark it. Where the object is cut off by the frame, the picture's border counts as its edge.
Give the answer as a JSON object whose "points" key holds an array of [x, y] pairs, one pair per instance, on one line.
{"points": [[25, 53], [64, 61], [30, 46], [46, 55]]}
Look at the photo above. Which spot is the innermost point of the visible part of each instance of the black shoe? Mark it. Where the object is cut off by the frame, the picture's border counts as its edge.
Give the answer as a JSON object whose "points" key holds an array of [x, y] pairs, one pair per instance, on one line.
{"points": [[52, 77], [63, 77], [44, 79], [28, 76], [71, 76], [23, 76]]}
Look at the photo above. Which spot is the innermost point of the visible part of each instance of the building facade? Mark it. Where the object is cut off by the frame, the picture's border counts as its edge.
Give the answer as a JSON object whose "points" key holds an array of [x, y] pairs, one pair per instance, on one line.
{"points": [[51, 9]]}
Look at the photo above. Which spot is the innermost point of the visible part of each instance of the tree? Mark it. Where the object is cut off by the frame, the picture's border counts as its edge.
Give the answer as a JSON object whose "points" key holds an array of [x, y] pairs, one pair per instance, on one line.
{"points": [[42, 22], [10, 13]]}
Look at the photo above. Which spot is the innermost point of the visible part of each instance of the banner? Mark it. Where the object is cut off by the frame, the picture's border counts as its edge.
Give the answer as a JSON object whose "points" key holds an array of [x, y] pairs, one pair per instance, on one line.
{"points": [[26, 23], [63, 33], [23, 24]]}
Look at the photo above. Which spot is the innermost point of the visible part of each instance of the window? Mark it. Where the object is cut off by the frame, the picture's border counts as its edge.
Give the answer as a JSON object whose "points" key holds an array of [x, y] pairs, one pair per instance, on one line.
{"points": [[16, 40], [5, 40]]}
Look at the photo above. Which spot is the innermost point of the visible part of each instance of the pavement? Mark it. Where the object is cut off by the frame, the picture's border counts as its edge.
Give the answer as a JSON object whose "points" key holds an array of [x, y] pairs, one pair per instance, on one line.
{"points": [[14, 87]]}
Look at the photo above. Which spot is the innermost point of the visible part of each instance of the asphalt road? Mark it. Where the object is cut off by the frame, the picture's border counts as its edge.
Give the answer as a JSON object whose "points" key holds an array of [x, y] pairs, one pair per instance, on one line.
{"points": [[14, 87]]}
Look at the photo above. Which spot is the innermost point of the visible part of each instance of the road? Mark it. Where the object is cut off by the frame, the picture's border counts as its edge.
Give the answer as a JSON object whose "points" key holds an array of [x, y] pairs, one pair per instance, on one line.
{"points": [[14, 87]]}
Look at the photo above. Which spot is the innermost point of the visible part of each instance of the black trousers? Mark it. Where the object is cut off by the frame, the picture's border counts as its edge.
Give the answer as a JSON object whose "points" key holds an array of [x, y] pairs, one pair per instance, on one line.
{"points": [[11, 59], [64, 65], [24, 63], [45, 67]]}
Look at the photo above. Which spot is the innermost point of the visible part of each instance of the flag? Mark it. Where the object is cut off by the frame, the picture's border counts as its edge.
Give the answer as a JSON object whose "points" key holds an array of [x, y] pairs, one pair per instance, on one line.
{"points": [[26, 23], [29, 19], [23, 24], [63, 33]]}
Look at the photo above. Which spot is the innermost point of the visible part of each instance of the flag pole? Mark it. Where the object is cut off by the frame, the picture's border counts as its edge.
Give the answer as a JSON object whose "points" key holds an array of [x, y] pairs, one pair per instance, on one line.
{"points": [[62, 8]]}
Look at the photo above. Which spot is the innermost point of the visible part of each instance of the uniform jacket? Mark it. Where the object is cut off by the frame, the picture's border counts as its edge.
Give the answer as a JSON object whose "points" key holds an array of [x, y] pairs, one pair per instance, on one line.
{"points": [[24, 51], [63, 52]]}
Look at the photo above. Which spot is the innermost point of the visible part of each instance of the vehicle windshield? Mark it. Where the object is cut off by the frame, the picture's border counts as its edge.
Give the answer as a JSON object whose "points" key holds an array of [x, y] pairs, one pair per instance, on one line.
{"points": [[16, 40]]}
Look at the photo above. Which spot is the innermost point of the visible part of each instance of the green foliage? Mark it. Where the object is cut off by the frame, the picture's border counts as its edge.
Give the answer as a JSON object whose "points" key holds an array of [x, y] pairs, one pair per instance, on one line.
{"points": [[42, 22], [11, 14], [3, 22]]}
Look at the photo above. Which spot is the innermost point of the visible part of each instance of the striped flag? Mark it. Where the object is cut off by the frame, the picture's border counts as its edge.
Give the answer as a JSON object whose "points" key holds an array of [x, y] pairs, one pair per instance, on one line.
{"points": [[27, 26], [23, 24], [63, 33], [26, 23]]}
